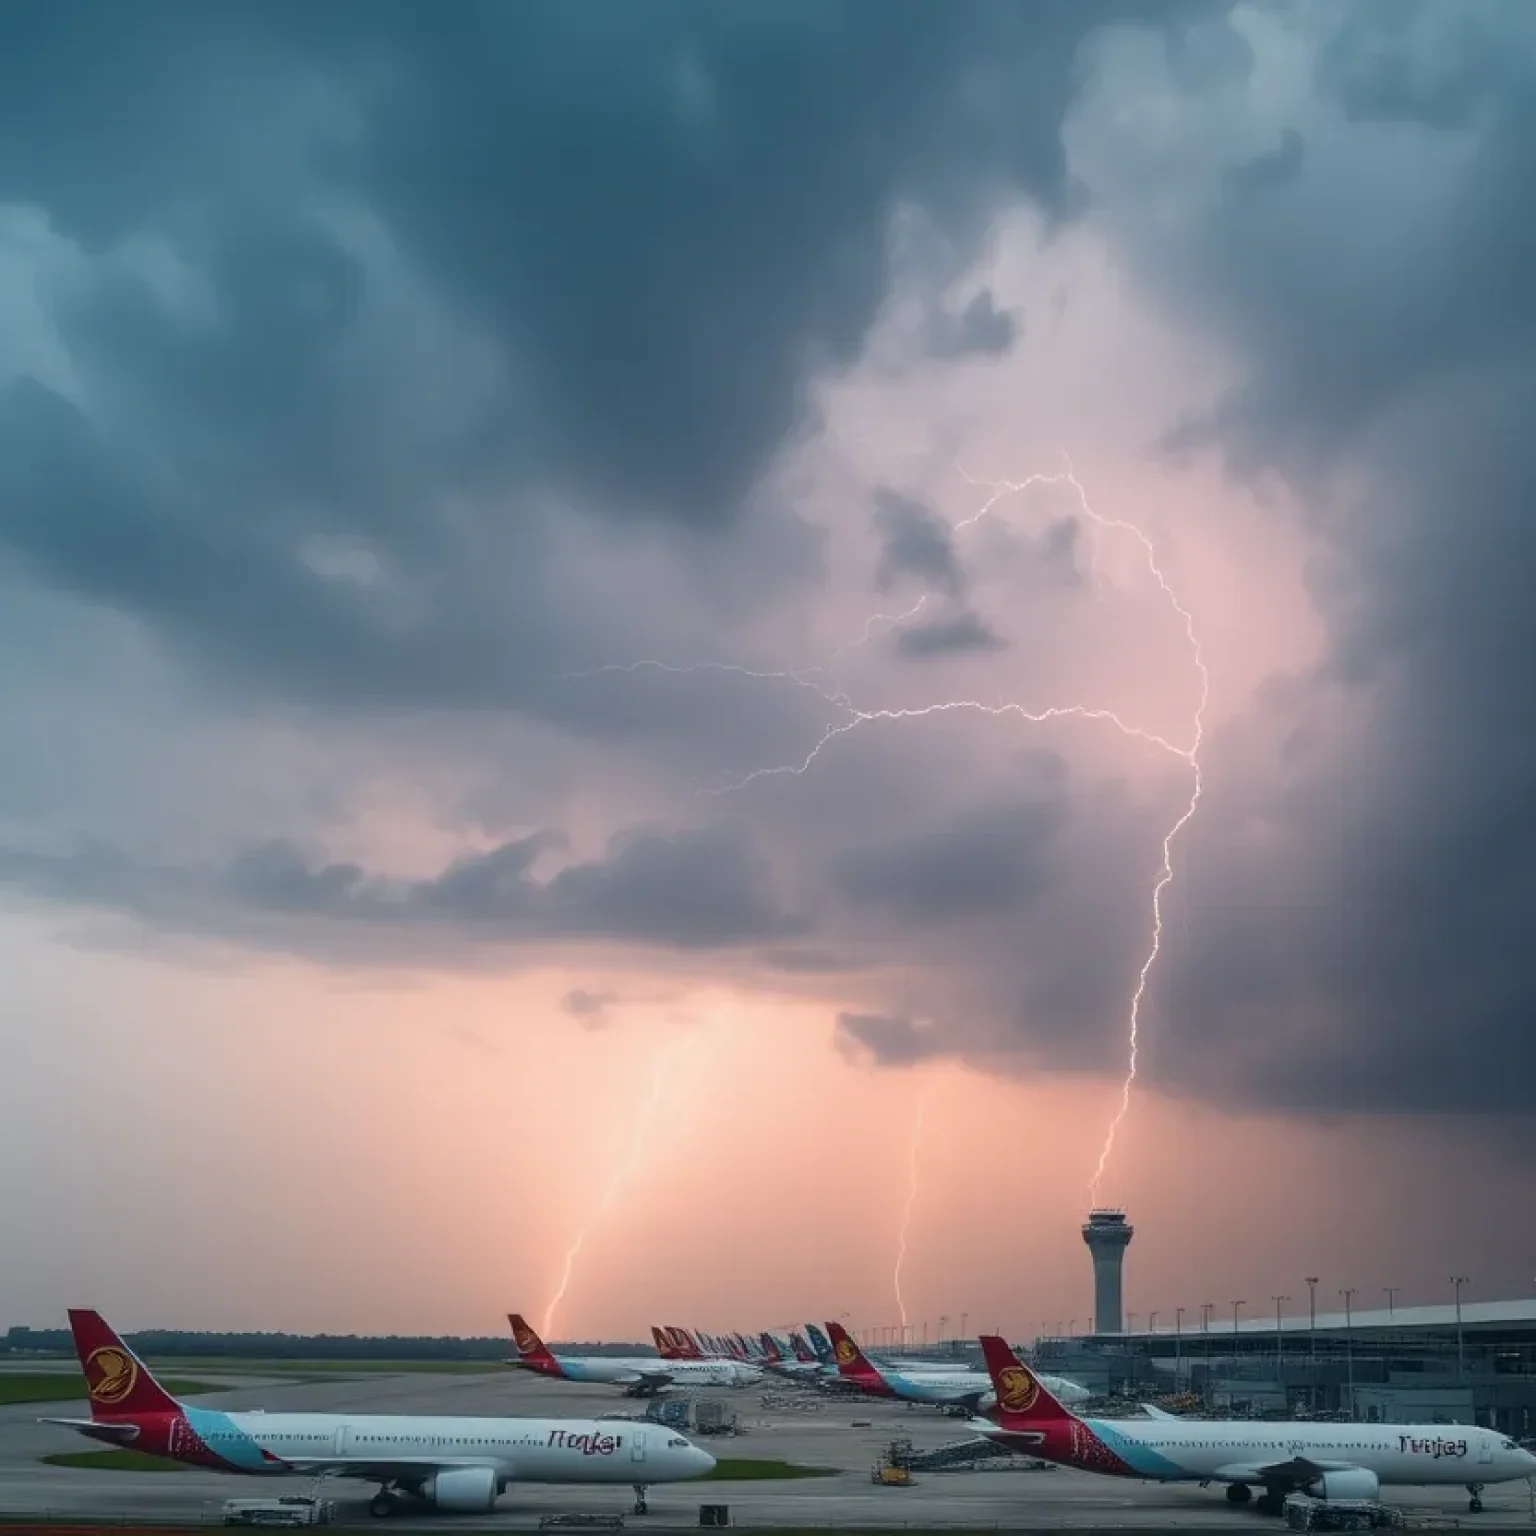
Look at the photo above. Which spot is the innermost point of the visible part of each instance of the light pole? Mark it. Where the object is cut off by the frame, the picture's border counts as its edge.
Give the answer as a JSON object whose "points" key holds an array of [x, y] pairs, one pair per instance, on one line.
{"points": [[1391, 1291], [1151, 1322], [1458, 1281], [963, 1333], [1348, 1293], [1178, 1347], [1206, 1308], [1279, 1342], [1236, 1305], [1312, 1340]]}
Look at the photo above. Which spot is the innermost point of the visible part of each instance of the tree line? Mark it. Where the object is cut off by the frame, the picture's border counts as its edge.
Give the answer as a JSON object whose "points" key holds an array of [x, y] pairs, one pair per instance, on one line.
{"points": [[162, 1343]]}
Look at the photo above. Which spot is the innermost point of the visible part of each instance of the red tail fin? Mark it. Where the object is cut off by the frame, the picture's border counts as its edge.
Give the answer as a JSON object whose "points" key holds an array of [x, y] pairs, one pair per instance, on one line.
{"points": [[1022, 1400], [686, 1344], [531, 1349], [117, 1381], [664, 1346], [851, 1360]]}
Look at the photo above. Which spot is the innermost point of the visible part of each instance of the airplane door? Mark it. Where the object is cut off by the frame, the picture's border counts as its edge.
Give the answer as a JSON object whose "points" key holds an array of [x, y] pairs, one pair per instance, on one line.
{"points": [[343, 1435], [637, 1447], [1484, 1449]]}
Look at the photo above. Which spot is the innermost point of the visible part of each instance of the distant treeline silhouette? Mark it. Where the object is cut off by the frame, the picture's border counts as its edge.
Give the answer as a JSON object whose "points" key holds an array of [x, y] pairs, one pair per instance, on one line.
{"points": [[168, 1342]]}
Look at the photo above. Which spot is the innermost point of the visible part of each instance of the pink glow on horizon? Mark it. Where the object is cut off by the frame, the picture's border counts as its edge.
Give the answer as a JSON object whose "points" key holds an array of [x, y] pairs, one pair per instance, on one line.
{"points": [[417, 1160]]}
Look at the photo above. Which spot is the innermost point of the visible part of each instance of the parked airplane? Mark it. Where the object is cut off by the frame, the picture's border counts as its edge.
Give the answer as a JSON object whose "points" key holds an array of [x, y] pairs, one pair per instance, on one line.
{"points": [[967, 1389], [450, 1463], [678, 1346], [642, 1375], [798, 1365], [1327, 1460]]}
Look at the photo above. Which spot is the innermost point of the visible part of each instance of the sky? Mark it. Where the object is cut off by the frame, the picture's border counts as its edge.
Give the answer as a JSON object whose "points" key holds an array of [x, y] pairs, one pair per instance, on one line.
{"points": [[606, 617]]}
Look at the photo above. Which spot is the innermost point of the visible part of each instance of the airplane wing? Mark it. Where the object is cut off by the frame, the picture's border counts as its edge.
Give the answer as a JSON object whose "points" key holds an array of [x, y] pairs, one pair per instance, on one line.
{"points": [[1296, 1469], [1023, 1441], [644, 1379], [113, 1434], [404, 1469], [1153, 1412]]}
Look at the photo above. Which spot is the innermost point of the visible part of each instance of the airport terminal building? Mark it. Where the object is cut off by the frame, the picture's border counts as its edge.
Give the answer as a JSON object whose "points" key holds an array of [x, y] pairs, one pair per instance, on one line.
{"points": [[1473, 1363]]}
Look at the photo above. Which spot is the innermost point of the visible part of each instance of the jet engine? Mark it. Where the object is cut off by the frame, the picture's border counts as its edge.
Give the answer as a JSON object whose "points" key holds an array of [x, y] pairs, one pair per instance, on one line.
{"points": [[1355, 1483], [463, 1488]]}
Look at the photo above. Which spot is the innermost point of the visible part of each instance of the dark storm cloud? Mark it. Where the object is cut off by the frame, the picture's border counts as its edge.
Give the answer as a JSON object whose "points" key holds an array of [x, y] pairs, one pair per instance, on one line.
{"points": [[888, 1040], [654, 224], [1391, 970], [590, 1009], [947, 637], [981, 328], [1267, 172], [699, 889], [414, 294], [986, 861], [915, 541]]}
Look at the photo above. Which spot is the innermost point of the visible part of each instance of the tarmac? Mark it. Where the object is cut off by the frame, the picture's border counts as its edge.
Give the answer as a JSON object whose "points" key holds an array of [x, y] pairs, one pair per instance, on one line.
{"points": [[1056, 1500]]}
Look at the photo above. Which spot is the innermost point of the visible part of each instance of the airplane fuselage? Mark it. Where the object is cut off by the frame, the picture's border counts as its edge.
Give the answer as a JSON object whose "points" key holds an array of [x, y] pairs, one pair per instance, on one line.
{"points": [[622, 1371], [1191, 1450], [957, 1386], [519, 1450]]}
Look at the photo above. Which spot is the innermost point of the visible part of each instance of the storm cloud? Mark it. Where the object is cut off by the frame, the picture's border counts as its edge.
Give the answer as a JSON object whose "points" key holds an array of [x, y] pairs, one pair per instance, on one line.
{"points": [[447, 391]]}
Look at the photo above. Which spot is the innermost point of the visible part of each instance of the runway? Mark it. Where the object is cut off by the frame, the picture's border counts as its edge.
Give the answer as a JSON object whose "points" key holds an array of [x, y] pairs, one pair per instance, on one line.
{"points": [[1017, 1500]]}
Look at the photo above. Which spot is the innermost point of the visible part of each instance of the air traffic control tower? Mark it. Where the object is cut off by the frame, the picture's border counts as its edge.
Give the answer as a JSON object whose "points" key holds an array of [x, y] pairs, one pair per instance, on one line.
{"points": [[1108, 1235]]}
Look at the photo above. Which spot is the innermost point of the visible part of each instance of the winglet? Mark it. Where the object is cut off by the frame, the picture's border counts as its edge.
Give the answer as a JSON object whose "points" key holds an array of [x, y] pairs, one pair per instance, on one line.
{"points": [[116, 1380], [1022, 1398]]}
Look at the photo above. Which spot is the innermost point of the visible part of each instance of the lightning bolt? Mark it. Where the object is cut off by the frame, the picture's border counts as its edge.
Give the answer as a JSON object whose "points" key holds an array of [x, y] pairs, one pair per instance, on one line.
{"points": [[1189, 754], [853, 717], [906, 1215], [661, 1075]]}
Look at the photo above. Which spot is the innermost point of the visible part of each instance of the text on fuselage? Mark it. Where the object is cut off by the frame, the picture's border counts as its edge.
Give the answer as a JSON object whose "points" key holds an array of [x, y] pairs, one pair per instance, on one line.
{"points": [[588, 1443], [1437, 1447]]}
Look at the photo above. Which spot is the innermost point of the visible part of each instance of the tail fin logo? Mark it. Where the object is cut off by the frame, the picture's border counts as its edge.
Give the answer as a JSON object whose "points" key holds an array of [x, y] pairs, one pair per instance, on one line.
{"points": [[846, 1353], [110, 1375], [525, 1338], [1017, 1390]]}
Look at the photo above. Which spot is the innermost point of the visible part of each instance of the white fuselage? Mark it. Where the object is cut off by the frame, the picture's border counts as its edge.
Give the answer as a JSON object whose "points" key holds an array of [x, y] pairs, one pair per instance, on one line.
{"points": [[520, 1450], [941, 1386], [686, 1373], [1240, 1451]]}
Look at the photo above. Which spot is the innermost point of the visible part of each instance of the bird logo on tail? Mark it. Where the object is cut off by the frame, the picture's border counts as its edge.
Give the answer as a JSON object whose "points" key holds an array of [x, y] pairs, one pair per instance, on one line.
{"points": [[1017, 1390], [110, 1375]]}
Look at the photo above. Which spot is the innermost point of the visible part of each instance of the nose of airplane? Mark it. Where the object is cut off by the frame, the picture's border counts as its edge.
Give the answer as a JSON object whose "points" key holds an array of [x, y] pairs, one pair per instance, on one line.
{"points": [[699, 1461]]}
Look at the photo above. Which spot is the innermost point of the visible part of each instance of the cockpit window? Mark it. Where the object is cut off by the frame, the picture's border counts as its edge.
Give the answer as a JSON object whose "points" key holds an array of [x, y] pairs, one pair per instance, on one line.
{"points": [[677, 1440]]}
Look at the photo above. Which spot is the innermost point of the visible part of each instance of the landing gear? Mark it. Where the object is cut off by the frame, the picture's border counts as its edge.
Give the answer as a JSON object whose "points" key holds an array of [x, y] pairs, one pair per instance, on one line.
{"points": [[389, 1500], [1238, 1493], [1272, 1501], [1476, 1502], [641, 1507]]}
